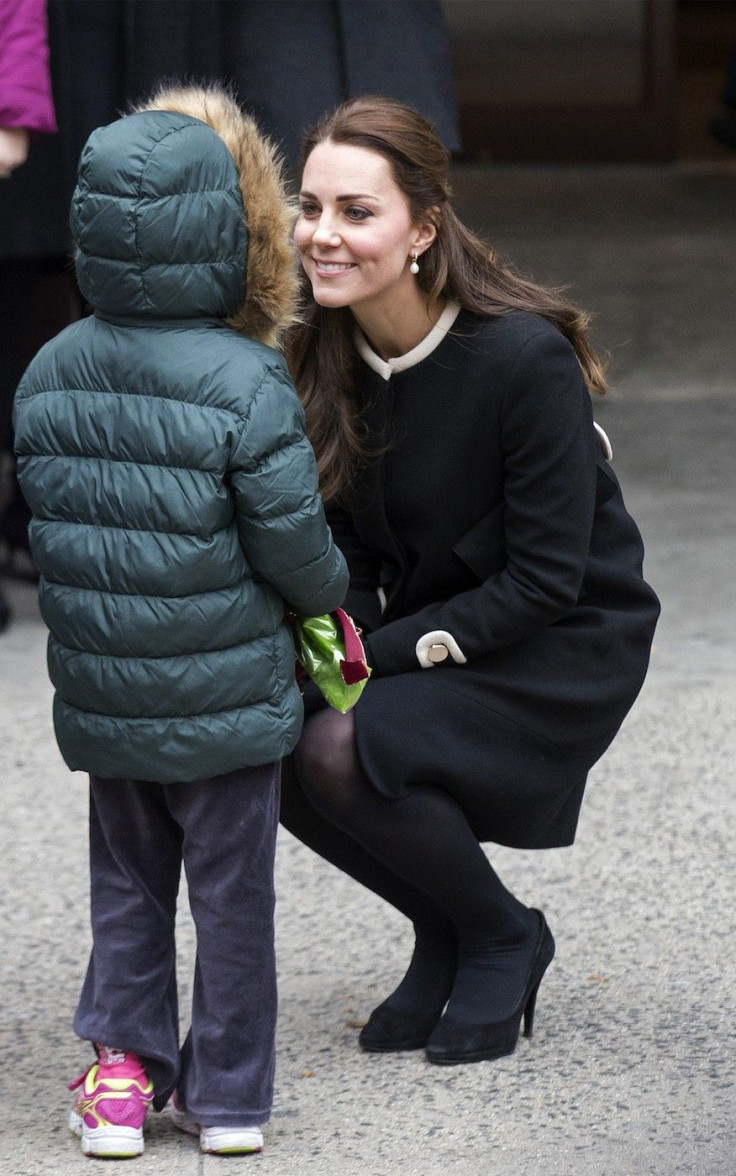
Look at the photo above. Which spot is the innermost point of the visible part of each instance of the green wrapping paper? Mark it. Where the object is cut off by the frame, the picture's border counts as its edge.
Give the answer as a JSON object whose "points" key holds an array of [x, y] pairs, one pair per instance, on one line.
{"points": [[320, 644]]}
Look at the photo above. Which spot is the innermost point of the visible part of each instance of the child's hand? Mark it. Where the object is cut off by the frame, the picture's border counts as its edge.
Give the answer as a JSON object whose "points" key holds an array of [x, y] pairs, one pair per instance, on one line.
{"points": [[13, 149]]}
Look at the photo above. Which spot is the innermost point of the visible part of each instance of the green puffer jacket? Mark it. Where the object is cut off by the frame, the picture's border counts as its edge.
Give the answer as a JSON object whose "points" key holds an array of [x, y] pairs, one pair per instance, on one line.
{"points": [[163, 455]]}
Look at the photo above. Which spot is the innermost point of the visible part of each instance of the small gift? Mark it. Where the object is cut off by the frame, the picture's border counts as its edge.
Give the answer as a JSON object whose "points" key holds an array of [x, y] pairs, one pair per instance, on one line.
{"points": [[330, 652]]}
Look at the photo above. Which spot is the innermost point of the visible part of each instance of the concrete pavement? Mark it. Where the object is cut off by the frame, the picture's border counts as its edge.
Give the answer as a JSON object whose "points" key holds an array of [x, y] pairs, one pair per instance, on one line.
{"points": [[631, 1068]]}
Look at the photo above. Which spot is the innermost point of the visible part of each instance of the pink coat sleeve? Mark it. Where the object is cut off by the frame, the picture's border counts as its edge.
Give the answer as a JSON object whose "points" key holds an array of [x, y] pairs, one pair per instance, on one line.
{"points": [[25, 85]]}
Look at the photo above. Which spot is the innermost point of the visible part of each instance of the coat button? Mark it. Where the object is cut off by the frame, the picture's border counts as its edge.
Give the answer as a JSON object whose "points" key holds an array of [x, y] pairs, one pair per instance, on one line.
{"points": [[437, 653]]}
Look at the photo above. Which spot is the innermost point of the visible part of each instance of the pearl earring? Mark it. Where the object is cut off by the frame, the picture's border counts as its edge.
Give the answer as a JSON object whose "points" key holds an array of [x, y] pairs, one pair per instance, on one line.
{"points": [[414, 267]]}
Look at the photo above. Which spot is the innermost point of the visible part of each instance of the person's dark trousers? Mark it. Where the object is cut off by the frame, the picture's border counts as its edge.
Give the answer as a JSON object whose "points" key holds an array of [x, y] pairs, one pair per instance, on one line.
{"points": [[729, 84], [224, 831], [722, 126]]}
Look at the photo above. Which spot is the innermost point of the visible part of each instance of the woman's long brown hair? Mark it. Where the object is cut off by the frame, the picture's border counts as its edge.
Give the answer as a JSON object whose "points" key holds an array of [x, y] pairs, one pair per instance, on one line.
{"points": [[458, 266]]}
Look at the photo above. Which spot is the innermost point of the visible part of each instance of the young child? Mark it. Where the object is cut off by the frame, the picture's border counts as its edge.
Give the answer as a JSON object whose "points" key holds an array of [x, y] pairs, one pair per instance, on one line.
{"points": [[161, 448]]}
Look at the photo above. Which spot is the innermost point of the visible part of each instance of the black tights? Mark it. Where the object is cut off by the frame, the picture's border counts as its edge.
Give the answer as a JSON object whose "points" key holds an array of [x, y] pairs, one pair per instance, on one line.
{"points": [[473, 938]]}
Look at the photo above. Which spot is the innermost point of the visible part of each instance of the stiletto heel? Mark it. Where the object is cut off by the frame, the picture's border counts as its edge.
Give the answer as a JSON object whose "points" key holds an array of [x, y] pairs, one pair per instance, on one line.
{"points": [[529, 1012], [453, 1042]]}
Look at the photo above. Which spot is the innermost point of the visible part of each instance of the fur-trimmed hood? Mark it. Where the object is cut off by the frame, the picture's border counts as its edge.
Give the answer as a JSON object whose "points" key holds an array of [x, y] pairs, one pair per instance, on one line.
{"points": [[271, 283], [170, 225]]}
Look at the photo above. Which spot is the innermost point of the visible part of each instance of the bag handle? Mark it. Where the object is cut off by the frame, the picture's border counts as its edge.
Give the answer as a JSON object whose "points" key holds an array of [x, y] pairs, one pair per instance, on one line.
{"points": [[353, 667]]}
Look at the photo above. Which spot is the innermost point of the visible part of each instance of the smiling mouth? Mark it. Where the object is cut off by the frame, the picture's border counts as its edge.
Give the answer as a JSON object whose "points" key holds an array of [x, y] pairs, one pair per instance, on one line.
{"points": [[333, 267]]}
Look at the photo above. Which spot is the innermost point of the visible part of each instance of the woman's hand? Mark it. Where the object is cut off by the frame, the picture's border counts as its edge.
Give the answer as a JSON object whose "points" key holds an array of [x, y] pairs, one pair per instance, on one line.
{"points": [[13, 149]]}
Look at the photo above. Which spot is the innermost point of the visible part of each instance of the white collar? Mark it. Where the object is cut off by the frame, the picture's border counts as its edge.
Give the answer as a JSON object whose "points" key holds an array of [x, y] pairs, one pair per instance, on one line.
{"points": [[387, 367]]}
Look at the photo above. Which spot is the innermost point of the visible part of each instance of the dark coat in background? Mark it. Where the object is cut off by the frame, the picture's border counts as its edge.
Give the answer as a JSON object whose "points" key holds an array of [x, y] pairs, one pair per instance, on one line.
{"points": [[288, 61], [493, 515]]}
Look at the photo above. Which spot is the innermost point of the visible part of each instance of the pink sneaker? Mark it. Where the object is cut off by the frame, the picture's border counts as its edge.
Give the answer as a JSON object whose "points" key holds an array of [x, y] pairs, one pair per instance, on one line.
{"points": [[111, 1107]]}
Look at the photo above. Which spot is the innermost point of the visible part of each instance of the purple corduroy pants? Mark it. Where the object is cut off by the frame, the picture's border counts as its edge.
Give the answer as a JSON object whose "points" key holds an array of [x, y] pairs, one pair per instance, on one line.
{"points": [[223, 830]]}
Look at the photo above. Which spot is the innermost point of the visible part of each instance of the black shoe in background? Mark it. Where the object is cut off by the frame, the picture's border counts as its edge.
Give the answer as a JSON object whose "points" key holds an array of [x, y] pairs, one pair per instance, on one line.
{"points": [[722, 128]]}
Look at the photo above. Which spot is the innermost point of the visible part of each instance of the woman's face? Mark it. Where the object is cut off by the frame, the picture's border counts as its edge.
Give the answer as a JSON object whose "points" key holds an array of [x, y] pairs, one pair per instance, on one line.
{"points": [[355, 234]]}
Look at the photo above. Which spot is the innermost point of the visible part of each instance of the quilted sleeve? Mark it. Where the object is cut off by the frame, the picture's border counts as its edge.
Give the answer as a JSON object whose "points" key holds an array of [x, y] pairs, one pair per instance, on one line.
{"points": [[281, 520]]}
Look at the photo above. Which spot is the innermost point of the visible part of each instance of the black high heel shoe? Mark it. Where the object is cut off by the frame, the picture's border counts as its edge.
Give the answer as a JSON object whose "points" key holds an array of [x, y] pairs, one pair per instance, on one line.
{"points": [[454, 1042], [389, 1030]]}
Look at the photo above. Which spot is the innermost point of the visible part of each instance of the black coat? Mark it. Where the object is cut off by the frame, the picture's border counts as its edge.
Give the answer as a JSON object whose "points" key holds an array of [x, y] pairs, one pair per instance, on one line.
{"points": [[288, 61], [492, 514]]}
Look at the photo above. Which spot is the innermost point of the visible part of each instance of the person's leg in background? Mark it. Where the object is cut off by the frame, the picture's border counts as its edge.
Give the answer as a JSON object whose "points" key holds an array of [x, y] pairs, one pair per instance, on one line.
{"points": [[722, 126], [38, 298], [18, 278]]}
